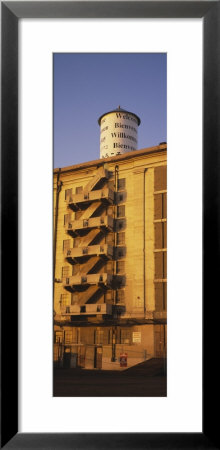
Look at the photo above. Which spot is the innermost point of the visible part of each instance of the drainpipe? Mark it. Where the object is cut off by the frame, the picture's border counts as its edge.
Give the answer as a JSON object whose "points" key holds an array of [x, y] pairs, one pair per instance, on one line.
{"points": [[144, 265], [114, 328], [115, 231], [59, 185]]}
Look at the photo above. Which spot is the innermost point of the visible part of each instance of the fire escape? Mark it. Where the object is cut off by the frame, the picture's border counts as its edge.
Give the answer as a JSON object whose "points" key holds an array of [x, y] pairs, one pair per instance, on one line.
{"points": [[90, 253]]}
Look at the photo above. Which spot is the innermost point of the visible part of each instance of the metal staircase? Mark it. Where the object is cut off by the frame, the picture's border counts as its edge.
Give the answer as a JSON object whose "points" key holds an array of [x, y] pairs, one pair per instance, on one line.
{"points": [[90, 210], [101, 174], [91, 251]]}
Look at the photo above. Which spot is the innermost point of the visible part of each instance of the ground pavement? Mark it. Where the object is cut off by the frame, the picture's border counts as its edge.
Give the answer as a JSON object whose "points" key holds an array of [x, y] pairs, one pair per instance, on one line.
{"points": [[147, 379]]}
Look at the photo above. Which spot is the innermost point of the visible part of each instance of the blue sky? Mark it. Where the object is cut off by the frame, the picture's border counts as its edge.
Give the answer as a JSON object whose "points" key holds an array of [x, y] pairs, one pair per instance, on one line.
{"points": [[86, 85]]}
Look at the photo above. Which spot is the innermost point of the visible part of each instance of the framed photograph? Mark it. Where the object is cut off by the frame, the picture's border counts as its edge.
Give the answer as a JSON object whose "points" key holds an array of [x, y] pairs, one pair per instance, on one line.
{"points": [[31, 417], [110, 309]]}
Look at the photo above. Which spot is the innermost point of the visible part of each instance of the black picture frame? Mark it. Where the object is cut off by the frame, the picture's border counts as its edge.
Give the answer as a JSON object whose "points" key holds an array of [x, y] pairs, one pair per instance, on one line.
{"points": [[11, 12]]}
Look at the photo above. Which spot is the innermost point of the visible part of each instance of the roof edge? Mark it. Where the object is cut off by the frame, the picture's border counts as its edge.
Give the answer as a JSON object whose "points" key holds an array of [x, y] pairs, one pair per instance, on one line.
{"points": [[99, 162], [119, 110]]}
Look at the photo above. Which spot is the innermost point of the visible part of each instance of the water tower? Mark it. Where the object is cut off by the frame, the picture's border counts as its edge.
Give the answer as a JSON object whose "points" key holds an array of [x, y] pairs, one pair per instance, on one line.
{"points": [[118, 132]]}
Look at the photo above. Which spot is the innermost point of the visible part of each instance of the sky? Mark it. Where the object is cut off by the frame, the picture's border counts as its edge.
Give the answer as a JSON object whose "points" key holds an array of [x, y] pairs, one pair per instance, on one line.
{"points": [[87, 85]]}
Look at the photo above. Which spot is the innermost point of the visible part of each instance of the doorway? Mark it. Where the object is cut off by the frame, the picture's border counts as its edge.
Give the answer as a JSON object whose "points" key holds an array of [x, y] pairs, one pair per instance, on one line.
{"points": [[98, 358]]}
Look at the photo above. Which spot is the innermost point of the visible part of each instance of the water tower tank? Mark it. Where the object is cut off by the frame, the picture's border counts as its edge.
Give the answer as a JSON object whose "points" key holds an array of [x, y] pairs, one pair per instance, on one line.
{"points": [[118, 132]]}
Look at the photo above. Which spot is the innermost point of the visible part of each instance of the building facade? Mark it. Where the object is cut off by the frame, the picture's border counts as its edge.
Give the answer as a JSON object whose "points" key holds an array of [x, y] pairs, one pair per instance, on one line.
{"points": [[110, 261]]}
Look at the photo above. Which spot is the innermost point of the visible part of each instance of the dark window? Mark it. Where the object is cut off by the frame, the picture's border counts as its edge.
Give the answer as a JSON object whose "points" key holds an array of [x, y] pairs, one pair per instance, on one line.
{"points": [[102, 336], [120, 267], [158, 214], [158, 233], [160, 178], [121, 238], [160, 259], [120, 198], [165, 264], [58, 337], [160, 296], [120, 296], [125, 336], [121, 183], [111, 185], [160, 229], [79, 189], [164, 205], [120, 252], [121, 211], [120, 225], [160, 206], [110, 239]]}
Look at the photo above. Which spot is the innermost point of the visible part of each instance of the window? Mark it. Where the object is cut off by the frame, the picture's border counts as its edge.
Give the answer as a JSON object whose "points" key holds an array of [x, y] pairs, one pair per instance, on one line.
{"points": [[120, 267], [68, 193], [110, 239], [121, 238], [125, 336], [109, 296], [121, 211], [160, 259], [67, 219], [120, 296], [102, 336], [68, 337], [164, 205], [120, 197], [58, 337], [158, 233], [160, 178], [160, 296], [63, 299], [66, 244], [120, 225], [121, 183], [120, 252], [160, 206], [74, 298], [109, 267], [65, 271], [79, 189], [111, 185], [160, 229], [110, 211]]}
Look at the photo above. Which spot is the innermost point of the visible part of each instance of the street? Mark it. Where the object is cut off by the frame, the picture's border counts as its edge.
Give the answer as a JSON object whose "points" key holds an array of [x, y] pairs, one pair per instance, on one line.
{"points": [[147, 379]]}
